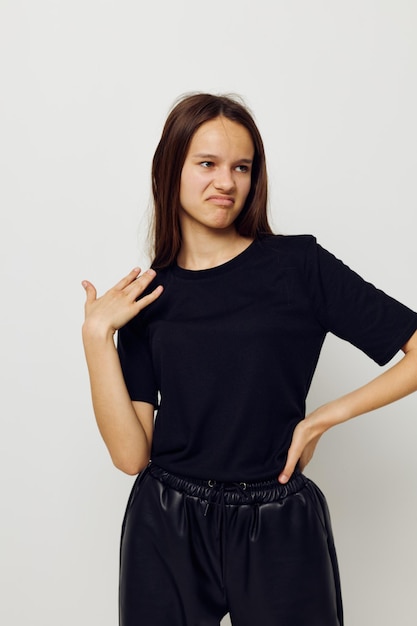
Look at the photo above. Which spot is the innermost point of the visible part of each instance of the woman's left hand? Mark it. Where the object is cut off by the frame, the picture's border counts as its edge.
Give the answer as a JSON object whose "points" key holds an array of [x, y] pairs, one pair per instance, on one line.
{"points": [[305, 438], [394, 383]]}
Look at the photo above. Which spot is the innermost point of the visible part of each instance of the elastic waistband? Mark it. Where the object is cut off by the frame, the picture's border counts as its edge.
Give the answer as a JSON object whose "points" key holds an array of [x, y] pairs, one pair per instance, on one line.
{"points": [[232, 492]]}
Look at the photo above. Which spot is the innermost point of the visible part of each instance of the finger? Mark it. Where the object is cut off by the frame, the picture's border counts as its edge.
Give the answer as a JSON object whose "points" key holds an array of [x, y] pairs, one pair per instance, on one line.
{"points": [[294, 454], [141, 283], [90, 290], [286, 473], [149, 298], [128, 279]]}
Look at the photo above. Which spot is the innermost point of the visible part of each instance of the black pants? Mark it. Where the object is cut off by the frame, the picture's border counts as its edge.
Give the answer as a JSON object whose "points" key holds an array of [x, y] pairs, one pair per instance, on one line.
{"points": [[192, 551]]}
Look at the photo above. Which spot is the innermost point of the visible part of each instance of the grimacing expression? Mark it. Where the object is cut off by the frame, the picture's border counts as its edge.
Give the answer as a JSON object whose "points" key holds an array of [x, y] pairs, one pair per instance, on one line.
{"points": [[216, 175]]}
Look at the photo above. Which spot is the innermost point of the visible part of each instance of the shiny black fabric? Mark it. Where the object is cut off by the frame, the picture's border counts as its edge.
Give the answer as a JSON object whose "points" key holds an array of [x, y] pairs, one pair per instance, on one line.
{"points": [[193, 551]]}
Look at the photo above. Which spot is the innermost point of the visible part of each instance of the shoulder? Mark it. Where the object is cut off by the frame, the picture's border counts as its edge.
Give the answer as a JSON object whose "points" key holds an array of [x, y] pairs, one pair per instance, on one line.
{"points": [[289, 248]]}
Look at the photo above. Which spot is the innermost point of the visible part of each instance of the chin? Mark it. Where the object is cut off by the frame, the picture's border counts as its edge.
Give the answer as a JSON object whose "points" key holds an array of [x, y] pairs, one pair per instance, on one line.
{"points": [[223, 226]]}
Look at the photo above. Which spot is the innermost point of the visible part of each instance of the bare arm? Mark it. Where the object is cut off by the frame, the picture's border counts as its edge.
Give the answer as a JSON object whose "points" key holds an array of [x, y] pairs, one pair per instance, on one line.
{"points": [[125, 426], [395, 383]]}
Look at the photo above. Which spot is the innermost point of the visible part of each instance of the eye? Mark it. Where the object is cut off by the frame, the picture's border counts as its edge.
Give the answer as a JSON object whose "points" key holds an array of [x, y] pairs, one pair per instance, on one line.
{"points": [[206, 163], [242, 168]]}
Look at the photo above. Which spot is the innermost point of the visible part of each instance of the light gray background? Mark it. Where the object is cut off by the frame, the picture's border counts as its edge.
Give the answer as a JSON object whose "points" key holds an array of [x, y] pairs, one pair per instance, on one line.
{"points": [[86, 86]]}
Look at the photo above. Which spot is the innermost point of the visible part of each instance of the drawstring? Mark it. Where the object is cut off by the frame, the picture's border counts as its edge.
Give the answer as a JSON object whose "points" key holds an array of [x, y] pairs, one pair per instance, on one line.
{"points": [[217, 496], [217, 491], [213, 495]]}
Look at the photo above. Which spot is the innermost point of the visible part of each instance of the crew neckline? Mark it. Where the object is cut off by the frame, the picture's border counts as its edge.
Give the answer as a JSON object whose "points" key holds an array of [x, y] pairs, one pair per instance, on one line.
{"points": [[217, 269]]}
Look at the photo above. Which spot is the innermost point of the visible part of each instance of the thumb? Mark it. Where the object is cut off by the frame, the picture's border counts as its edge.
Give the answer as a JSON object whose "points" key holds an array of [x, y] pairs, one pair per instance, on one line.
{"points": [[90, 290], [292, 460], [285, 475]]}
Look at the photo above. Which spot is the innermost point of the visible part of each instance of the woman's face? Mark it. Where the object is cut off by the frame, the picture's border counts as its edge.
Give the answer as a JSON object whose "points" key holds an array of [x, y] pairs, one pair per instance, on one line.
{"points": [[216, 175]]}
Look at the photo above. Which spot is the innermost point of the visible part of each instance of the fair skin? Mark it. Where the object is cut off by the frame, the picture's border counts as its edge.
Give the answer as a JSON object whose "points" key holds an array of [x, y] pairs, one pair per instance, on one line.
{"points": [[215, 181], [125, 426]]}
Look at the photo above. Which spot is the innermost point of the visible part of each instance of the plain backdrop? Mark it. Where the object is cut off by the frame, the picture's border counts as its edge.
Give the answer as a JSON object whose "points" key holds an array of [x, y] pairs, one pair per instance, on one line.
{"points": [[85, 88]]}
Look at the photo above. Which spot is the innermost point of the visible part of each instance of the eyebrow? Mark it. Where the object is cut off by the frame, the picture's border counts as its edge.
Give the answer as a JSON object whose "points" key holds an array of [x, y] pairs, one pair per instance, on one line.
{"points": [[200, 155]]}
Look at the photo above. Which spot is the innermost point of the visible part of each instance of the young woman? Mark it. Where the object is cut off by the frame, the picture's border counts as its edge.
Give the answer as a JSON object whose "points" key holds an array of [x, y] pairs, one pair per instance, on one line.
{"points": [[222, 337]]}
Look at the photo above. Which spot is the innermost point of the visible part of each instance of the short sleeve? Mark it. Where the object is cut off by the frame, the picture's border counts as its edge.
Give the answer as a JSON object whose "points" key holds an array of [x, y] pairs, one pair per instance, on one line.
{"points": [[136, 361], [354, 309]]}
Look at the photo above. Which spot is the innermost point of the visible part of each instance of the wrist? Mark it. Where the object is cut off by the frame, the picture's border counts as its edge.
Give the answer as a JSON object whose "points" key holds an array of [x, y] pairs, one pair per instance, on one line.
{"points": [[95, 332], [326, 416]]}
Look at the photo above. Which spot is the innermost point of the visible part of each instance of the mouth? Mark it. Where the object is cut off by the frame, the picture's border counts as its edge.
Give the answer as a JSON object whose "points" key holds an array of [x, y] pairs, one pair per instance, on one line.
{"points": [[226, 201]]}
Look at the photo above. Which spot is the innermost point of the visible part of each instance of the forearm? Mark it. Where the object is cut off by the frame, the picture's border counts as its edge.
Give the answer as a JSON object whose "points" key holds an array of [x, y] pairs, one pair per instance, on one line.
{"points": [[124, 435], [395, 383]]}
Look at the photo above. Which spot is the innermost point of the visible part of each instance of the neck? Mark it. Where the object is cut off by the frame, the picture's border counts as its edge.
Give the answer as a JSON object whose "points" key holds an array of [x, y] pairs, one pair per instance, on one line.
{"points": [[204, 250]]}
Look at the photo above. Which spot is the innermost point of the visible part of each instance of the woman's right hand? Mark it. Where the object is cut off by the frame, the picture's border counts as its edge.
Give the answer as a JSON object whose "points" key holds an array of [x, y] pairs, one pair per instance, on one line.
{"points": [[111, 311]]}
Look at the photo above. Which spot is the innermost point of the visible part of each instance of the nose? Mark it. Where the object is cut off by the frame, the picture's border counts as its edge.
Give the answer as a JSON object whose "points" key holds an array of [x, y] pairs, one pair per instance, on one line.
{"points": [[224, 180]]}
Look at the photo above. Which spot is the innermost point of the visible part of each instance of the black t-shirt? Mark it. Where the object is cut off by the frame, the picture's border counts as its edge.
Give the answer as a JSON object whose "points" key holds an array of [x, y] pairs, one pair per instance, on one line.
{"points": [[227, 354]]}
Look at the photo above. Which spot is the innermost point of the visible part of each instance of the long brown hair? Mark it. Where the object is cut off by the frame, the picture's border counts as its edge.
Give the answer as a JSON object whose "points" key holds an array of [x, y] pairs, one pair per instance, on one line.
{"points": [[184, 119]]}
